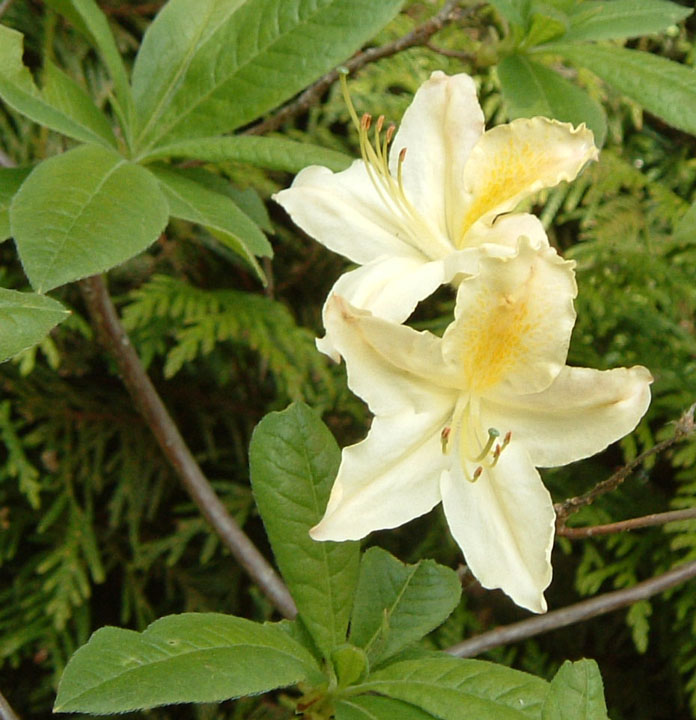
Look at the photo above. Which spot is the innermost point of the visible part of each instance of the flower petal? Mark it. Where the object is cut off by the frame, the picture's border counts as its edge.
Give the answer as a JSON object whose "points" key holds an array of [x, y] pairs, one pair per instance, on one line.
{"points": [[438, 130], [391, 287], [389, 478], [581, 413], [513, 322], [390, 366], [344, 212], [507, 230], [504, 523], [515, 160]]}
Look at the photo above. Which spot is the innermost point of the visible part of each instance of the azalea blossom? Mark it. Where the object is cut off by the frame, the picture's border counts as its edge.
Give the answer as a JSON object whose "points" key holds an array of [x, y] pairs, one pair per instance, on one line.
{"points": [[414, 210], [467, 418]]}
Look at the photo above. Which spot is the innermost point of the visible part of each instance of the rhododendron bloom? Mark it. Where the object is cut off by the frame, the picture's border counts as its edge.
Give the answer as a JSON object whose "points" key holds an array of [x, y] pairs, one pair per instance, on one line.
{"points": [[467, 418], [413, 211]]}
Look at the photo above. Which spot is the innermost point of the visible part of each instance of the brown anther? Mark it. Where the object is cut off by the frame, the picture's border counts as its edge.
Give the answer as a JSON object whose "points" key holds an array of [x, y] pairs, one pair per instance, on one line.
{"points": [[380, 123], [496, 452], [402, 154], [507, 438], [366, 121], [445, 432], [477, 473], [390, 133]]}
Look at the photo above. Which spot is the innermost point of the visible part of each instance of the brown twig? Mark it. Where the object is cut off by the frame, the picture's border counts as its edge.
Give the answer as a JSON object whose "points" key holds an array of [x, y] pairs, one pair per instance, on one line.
{"points": [[574, 613], [6, 161], [141, 389], [5, 6], [683, 427], [578, 533], [419, 36], [6, 711]]}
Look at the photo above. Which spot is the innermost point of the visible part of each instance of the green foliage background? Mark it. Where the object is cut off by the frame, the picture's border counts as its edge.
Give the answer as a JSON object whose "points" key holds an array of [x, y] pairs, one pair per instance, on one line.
{"points": [[94, 528]]}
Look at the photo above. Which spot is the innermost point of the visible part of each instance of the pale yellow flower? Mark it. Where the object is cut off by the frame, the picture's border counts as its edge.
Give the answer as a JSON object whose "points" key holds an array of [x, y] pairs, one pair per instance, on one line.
{"points": [[467, 418], [414, 211]]}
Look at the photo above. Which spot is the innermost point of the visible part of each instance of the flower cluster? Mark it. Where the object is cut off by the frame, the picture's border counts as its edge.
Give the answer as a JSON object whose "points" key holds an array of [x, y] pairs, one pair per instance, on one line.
{"points": [[463, 419]]}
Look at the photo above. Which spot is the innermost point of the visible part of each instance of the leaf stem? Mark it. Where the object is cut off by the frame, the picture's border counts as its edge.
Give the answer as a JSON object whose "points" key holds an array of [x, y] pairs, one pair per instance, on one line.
{"points": [[419, 36], [6, 711], [114, 337], [573, 613]]}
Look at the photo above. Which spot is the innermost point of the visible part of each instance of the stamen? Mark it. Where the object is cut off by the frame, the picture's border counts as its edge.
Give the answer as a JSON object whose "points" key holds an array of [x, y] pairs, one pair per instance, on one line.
{"points": [[493, 434], [475, 476], [444, 439], [365, 121]]}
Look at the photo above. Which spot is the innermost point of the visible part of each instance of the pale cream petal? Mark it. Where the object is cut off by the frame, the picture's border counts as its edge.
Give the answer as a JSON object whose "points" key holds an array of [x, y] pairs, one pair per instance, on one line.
{"points": [[344, 212], [581, 413], [392, 367], [513, 322], [438, 131], [506, 230], [515, 160], [389, 478], [504, 523]]}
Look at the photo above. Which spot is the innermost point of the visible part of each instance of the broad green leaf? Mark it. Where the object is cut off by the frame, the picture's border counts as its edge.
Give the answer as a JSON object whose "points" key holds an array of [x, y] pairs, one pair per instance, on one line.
{"points": [[83, 212], [397, 604], [25, 319], [63, 105], [576, 693], [192, 201], [600, 20], [272, 153], [373, 707], [293, 463], [210, 66], [514, 11], [350, 663], [11, 180], [451, 689], [193, 657], [664, 88], [91, 21], [531, 89], [547, 23]]}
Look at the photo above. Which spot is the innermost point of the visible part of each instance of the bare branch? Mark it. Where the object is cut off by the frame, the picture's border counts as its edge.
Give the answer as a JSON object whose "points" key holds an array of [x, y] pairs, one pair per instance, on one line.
{"points": [[6, 160], [574, 613], [578, 533], [141, 389], [420, 36], [6, 711], [5, 6], [683, 427]]}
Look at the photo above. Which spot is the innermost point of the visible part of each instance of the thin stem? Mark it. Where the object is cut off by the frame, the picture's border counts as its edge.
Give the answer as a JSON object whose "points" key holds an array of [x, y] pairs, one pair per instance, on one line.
{"points": [[6, 711], [141, 389], [683, 427], [574, 613], [419, 36], [578, 533]]}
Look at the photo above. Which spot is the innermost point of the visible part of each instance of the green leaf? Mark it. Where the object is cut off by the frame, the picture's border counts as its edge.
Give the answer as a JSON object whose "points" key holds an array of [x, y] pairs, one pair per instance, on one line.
{"points": [[272, 153], [372, 707], [193, 657], [664, 88], [25, 319], [192, 201], [684, 232], [547, 22], [514, 11], [451, 689], [91, 21], [576, 693], [531, 89], [397, 604], [63, 105], [83, 212], [293, 463], [350, 664], [210, 66], [599, 20], [11, 180]]}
